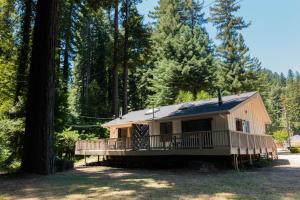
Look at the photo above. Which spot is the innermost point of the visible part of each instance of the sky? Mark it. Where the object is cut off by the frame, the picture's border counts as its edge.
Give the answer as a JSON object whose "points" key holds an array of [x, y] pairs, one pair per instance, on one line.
{"points": [[274, 34]]}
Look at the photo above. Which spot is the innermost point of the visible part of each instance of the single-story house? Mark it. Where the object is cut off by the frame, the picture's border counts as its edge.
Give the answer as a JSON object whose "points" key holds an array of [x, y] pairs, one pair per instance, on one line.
{"points": [[228, 125]]}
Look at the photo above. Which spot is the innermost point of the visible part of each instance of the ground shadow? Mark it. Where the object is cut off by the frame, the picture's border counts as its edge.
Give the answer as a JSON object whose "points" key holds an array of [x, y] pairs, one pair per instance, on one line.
{"points": [[117, 183]]}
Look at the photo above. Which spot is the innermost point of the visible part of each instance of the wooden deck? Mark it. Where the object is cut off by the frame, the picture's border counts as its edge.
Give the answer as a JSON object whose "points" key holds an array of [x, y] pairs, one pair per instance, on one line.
{"points": [[222, 142]]}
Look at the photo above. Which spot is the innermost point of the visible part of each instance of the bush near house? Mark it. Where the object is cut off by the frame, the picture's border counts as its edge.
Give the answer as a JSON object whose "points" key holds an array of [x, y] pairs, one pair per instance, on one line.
{"points": [[65, 145], [280, 136], [294, 149]]}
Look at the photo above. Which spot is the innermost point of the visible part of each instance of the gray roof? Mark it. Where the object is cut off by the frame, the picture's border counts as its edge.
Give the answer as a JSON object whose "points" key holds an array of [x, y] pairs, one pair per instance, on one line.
{"points": [[195, 108]]}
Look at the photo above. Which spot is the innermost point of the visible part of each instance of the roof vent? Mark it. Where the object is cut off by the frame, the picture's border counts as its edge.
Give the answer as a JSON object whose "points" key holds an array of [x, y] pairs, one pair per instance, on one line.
{"points": [[186, 106], [220, 101], [151, 111]]}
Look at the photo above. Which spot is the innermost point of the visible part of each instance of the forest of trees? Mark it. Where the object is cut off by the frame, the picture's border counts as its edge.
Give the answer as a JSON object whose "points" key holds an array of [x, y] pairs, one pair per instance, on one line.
{"points": [[67, 66]]}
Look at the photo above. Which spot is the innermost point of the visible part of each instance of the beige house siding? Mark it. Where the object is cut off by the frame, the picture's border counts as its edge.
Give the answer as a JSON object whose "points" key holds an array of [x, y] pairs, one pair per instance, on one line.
{"points": [[219, 122], [113, 132], [252, 111]]}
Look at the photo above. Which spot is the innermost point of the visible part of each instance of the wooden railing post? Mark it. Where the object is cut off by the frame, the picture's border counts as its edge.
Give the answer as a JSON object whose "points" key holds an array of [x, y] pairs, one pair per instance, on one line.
{"points": [[239, 149], [247, 144], [230, 139]]}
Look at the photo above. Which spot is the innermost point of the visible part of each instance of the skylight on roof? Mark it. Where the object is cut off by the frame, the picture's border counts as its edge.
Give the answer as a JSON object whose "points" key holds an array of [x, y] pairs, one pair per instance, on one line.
{"points": [[185, 106], [151, 111]]}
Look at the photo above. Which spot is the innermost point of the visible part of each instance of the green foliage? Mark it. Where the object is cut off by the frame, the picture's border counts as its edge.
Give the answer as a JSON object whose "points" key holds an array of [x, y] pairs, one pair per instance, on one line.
{"points": [[188, 96], [280, 136], [237, 71], [11, 134], [294, 149], [63, 164], [65, 143], [183, 56]]}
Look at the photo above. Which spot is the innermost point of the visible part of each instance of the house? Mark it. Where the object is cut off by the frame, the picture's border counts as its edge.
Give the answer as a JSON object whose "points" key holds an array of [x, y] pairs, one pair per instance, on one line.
{"points": [[223, 126]]}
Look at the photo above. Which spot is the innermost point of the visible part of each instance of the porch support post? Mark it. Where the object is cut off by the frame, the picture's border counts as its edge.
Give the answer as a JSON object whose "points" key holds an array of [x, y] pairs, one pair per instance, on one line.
{"points": [[250, 159]]}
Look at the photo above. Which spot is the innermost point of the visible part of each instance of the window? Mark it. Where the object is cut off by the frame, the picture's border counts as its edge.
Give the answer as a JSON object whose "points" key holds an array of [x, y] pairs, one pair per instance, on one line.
{"points": [[246, 126], [166, 128], [122, 132], [242, 125], [239, 125], [196, 125]]}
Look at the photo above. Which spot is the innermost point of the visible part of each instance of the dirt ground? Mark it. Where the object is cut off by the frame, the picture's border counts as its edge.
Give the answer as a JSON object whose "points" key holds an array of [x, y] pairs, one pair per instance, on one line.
{"points": [[282, 181]]}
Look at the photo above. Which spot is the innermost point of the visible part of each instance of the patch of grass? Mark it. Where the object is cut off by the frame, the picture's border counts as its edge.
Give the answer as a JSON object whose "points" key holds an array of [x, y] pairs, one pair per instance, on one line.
{"points": [[89, 159], [117, 183]]}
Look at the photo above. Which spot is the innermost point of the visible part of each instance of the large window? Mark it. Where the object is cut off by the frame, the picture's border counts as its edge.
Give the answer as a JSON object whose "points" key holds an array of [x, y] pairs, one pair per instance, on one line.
{"points": [[122, 132], [242, 125], [196, 125], [166, 128]]}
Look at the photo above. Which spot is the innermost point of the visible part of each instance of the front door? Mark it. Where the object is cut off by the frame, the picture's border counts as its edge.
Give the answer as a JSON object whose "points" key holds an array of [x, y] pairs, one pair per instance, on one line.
{"points": [[140, 137]]}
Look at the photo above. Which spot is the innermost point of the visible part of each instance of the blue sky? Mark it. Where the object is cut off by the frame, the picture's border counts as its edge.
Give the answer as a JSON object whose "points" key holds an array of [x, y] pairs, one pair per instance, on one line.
{"points": [[274, 35]]}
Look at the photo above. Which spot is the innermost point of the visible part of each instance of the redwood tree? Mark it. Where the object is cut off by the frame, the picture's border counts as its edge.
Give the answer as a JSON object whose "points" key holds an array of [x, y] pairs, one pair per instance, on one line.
{"points": [[38, 156], [125, 57], [23, 58], [115, 85]]}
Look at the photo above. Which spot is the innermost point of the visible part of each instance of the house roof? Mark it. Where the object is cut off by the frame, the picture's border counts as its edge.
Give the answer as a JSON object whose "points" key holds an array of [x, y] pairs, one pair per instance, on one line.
{"points": [[183, 109]]}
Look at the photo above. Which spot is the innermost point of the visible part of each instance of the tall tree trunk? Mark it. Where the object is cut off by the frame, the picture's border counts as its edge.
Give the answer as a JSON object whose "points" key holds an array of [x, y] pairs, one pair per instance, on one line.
{"points": [[66, 67], [38, 156], [115, 92], [23, 59], [125, 59]]}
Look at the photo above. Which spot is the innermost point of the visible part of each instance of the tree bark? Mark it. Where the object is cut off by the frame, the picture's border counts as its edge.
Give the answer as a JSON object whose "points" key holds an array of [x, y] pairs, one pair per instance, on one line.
{"points": [[38, 156], [23, 59], [115, 92], [68, 33], [125, 60]]}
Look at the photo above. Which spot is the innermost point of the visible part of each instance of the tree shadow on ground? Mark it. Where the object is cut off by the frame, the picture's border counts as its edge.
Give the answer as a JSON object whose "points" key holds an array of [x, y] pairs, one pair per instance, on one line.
{"points": [[116, 183]]}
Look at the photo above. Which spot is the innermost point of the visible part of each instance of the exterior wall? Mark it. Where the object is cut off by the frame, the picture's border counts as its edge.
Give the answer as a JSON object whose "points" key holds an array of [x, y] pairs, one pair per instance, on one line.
{"points": [[113, 131], [252, 111], [219, 122]]}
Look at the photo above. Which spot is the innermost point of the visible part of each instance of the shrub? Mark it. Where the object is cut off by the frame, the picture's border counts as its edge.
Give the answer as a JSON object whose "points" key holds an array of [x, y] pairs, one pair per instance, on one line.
{"points": [[65, 144], [63, 164], [11, 135], [280, 136], [295, 149]]}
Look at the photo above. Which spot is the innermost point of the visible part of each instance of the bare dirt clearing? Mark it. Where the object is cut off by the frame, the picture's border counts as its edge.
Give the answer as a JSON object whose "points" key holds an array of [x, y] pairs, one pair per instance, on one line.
{"points": [[279, 182]]}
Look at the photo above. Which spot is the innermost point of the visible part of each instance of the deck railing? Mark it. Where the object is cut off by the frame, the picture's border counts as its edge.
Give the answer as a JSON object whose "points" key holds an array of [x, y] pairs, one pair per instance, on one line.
{"points": [[192, 140]]}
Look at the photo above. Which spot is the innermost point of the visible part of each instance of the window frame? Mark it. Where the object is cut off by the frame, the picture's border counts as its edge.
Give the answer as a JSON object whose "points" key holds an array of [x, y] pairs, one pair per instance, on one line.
{"points": [[243, 126], [167, 125]]}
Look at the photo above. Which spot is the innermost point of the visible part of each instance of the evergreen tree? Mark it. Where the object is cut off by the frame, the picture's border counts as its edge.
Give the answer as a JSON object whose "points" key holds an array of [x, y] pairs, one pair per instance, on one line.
{"points": [[183, 57], [138, 51], [24, 50], [89, 97], [233, 73], [38, 156]]}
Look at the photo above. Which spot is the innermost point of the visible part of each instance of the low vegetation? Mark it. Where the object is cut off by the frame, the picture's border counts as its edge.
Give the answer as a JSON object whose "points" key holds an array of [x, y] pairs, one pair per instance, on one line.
{"points": [[280, 136], [294, 149]]}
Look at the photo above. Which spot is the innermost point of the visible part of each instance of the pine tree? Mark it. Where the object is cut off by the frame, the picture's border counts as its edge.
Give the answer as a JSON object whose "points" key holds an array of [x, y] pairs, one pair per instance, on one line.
{"points": [[91, 71], [232, 51], [183, 57], [115, 81], [138, 50]]}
